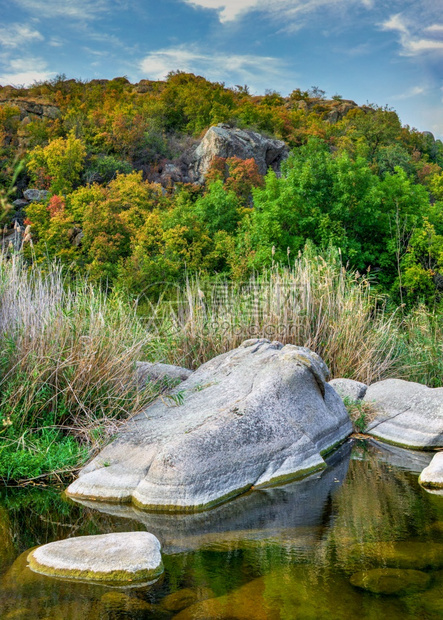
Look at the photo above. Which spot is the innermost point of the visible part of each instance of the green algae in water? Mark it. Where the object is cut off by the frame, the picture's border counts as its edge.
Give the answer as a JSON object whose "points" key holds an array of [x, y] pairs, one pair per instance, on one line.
{"points": [[283, 553]]}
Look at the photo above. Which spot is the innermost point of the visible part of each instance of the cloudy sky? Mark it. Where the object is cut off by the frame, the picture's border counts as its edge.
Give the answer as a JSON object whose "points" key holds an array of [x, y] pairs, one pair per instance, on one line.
{"points": [[388, 53]]}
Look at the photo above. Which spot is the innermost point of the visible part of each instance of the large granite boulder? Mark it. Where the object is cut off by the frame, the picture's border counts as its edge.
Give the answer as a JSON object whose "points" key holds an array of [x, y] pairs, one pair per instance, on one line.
{"points": [[411, 414], [291, 514], [432, 476], [36, 195], [257, 415], [225, 141], [123, 558]]}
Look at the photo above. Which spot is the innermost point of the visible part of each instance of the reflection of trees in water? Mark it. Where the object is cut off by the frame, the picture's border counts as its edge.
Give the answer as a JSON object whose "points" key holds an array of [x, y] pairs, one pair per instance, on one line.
{"points": [[6, 540], [377, 502], [37, 516]]}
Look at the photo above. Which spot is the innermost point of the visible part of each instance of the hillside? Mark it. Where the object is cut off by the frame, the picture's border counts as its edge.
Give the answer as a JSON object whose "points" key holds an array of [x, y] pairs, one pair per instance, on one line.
{"points": [[122, 205]]}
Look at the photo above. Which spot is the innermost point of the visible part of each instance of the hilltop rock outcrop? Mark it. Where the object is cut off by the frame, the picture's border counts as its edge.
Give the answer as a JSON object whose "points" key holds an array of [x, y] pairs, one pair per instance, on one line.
{"points": [[31, 110], [225, 141], [256, 415]]}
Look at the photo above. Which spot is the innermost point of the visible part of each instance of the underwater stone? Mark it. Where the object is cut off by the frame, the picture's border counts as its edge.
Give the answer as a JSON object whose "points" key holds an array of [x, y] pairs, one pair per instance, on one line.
{"points": [[185, 598], [412, 554], [391, 580], [127, 557]]}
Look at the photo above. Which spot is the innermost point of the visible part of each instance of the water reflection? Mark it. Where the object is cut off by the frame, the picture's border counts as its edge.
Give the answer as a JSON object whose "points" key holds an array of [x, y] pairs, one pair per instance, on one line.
{"points": [[293, 514], [281, 553]]}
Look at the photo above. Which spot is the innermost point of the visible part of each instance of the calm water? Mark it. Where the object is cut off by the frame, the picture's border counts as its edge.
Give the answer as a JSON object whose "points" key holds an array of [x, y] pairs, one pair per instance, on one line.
{"points": [[290, 552]]}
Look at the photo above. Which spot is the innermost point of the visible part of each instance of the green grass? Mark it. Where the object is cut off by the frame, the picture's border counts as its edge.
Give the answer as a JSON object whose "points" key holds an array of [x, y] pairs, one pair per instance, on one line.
{"points": [[68, 349], [38, 454], [67, 360]]}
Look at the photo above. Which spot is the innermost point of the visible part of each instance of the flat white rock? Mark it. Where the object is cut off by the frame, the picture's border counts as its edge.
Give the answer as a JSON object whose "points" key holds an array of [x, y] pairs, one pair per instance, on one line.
{"points": [[260, 414], [410, 414], [112, 558], [432, 475]]}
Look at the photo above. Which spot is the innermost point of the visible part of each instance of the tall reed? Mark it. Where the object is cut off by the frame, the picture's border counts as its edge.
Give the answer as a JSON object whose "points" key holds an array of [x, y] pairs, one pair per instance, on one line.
{"points": [[315, 303], [67, 353]]}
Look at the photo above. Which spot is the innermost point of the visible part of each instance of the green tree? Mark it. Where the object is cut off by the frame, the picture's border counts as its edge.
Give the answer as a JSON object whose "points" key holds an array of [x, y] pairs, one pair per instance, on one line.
{"points": [[61, 162]]}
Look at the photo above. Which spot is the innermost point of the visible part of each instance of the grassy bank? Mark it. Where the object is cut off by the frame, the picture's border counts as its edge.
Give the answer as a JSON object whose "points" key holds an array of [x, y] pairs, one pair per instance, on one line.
{"points": [[68, 349], [67, 353]]}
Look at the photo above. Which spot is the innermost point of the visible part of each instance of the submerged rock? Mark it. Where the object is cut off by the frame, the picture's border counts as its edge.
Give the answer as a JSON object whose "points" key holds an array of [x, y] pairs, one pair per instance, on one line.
{"points": [[260, 414], [347, 388], [297, 592], [391, 580], [130, 557], [411, 554], [432, 476], [411, 414], [185, 598], [428, 604]]}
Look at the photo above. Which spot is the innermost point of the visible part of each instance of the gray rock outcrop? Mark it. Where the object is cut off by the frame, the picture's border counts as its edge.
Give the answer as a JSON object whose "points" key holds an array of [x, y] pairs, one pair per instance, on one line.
{"points": [[256, 415], [411, 414], [432, 476], [32, 110], [225, 141], [129, 557], [347, 388], [36, 195]]}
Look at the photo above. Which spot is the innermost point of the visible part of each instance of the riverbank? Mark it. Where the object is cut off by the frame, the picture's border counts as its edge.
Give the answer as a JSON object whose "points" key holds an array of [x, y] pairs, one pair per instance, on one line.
{"points": [[68, 348]]}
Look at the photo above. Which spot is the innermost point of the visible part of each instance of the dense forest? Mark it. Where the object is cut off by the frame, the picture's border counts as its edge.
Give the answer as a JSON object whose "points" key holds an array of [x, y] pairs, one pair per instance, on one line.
{"points": [[355, 179]]}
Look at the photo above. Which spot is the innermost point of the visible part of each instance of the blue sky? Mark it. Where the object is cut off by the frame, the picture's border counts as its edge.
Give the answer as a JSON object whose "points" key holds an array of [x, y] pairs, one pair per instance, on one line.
{"points": [[388, 53]]}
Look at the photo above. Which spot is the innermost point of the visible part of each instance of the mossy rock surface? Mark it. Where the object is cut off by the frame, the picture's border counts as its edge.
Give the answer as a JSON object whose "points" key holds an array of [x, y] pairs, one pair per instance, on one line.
{"points": [[290, 594], [123, 558], [408, 555], [391, 580], [185, 598]]}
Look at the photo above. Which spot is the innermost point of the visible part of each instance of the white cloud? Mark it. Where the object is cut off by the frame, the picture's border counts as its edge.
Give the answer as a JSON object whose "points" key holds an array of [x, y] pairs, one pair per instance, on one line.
{"points": [[435, 28], [56, 42], [230, 10], [17, 35], [411, 35], [415, 91], [255, 71], [25, 71], [68, 9], [396, 22]]}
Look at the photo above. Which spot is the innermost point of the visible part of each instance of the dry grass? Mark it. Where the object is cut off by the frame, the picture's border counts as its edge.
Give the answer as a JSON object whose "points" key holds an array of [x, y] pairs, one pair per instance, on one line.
{"points": [[67, 354], [316, 303]]}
